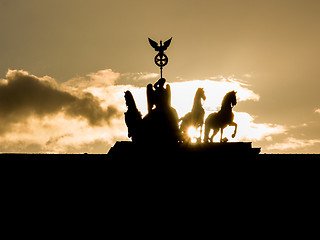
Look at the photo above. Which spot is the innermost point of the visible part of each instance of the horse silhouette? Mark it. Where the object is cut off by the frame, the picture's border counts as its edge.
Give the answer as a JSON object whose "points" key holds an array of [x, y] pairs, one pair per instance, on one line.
{"points": [[195, 117], [221, 119], [132, 117]]}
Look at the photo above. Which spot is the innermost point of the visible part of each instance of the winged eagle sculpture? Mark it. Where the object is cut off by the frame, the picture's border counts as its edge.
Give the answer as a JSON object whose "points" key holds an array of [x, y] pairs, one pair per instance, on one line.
{"points": [[160, 48], [160, 59]]}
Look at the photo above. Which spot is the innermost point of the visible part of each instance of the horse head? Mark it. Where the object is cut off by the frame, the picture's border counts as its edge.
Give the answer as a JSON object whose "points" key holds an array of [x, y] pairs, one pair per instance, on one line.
{"points": [[233, 98], [129, 100], [229, 99], [200, 93]]}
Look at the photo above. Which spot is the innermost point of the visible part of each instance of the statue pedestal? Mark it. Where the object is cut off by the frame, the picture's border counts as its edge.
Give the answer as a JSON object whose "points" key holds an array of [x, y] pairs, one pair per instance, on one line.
{"points": [[128, 150]]}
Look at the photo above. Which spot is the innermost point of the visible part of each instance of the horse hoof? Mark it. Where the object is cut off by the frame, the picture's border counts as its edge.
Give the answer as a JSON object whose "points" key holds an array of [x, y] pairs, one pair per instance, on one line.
{"points": [[233, 135], [224, 140]]}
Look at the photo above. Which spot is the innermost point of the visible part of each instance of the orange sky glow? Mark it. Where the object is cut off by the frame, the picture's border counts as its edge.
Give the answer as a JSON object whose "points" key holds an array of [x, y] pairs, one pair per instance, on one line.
{"points": [[65, 65]]}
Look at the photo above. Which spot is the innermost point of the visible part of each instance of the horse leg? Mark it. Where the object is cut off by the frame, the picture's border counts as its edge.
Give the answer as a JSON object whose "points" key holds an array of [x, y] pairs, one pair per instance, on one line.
{"points": [[235, 128], [221, 134], [206, 133], [215, 131], [200, 133]]}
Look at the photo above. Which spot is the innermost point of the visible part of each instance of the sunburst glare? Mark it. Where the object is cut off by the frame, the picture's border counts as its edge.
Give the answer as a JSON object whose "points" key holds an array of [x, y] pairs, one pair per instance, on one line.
{"points": [[193, 134]]}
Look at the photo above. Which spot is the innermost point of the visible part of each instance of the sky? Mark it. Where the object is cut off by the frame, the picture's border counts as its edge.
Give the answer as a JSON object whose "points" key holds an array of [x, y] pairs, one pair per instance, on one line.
{"points": [[64, 67]]}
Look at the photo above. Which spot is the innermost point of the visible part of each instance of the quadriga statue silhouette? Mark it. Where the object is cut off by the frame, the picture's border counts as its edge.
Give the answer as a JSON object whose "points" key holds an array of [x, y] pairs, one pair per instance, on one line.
{"points": [[222, 118]]}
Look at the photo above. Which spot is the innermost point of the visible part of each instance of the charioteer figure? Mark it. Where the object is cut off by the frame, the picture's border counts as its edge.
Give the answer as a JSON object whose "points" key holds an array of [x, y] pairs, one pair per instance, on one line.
{"points": [[158, 95]]}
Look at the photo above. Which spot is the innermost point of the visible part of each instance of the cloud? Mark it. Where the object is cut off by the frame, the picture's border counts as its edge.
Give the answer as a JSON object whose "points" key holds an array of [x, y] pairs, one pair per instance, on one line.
{"points": [[60, 134], [88, 106], [183, 93], [293, 143], [140, 79], [249, 130], [215, 89], [23, 95], [101, 79], [85, 114], [317, 110]]}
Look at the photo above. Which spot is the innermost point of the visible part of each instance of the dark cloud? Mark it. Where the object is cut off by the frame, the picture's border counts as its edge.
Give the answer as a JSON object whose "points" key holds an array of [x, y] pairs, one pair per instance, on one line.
{"points": [[88, 106], [23, 95]]}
